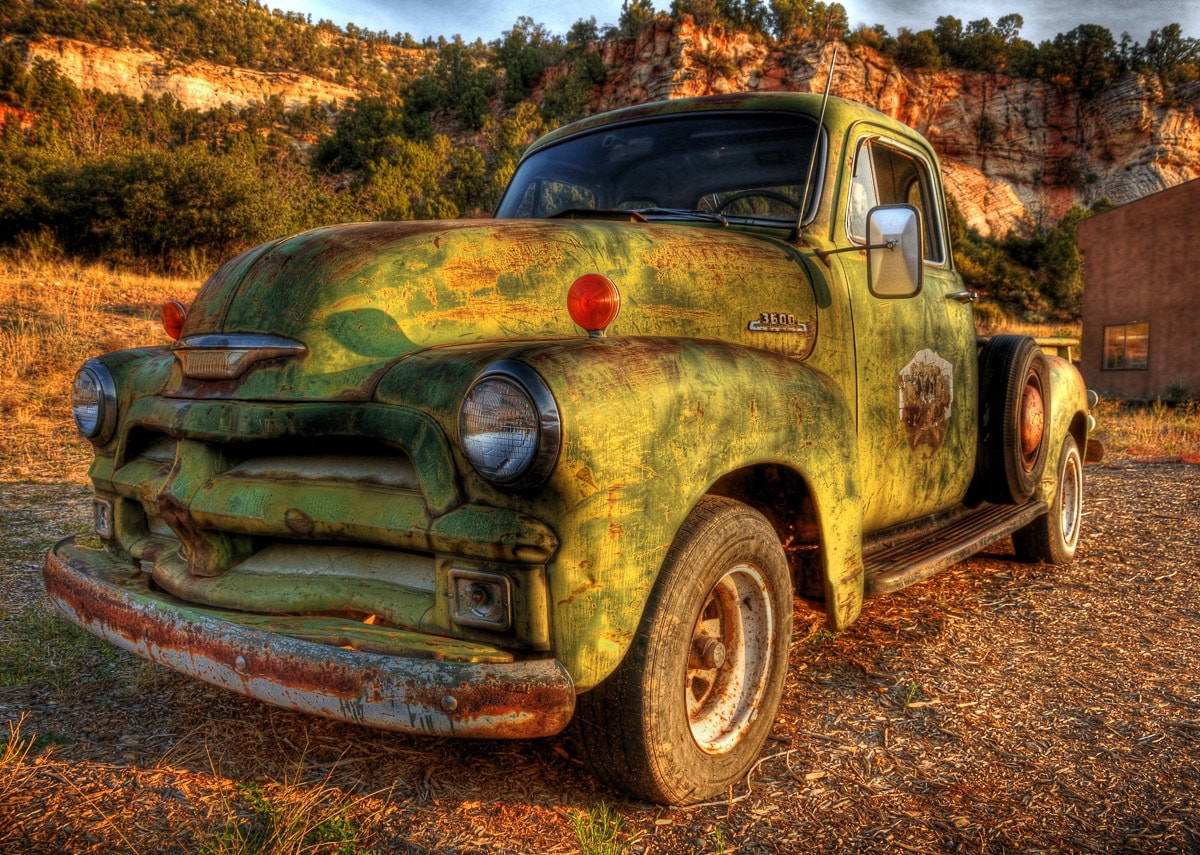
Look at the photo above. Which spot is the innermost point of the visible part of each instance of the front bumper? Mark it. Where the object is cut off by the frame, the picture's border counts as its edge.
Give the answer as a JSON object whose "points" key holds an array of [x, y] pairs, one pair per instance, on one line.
{"points": [[426, 693]]}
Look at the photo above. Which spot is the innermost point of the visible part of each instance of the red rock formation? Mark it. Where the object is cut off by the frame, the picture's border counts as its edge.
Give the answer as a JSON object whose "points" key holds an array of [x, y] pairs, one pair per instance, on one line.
{"points": [[1012, 149]]}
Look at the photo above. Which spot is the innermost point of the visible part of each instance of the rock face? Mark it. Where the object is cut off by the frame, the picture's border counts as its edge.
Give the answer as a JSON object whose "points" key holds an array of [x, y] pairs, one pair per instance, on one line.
{"points": [[201, 85], [1012, 149]]}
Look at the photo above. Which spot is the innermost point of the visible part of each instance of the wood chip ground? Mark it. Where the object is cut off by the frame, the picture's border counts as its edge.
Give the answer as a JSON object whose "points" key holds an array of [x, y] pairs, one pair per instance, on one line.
{"points": [[997, 707]]}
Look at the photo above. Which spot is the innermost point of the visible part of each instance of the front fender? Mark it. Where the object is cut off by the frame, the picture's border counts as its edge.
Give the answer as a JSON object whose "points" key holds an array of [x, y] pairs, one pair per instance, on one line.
{"points": [[1068, 414], [650, 425]]}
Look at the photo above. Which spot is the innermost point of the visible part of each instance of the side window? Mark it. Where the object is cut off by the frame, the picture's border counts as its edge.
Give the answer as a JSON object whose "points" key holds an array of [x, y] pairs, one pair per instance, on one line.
{"points": [[884, 175], [862, 197]]}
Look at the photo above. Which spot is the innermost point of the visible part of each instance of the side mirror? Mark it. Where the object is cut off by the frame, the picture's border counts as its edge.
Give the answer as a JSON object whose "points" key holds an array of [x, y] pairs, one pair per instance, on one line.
{"points": [[894, 251]]}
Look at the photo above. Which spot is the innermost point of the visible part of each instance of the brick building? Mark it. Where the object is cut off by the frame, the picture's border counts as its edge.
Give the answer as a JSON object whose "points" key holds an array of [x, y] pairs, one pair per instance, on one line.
{"points": [[1141, 296]]}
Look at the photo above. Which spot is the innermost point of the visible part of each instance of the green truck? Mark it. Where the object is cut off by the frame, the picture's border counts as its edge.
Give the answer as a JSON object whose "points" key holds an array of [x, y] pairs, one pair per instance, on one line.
{"points": [[575, 464]]}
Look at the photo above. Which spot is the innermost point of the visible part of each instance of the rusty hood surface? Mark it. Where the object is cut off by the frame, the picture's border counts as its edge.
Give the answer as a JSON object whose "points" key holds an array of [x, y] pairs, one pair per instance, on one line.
{"points": [[360, 296]]}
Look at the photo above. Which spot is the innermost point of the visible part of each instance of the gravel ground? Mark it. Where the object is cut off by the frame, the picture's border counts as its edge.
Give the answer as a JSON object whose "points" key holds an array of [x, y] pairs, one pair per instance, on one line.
{"points": [[997, 707]]}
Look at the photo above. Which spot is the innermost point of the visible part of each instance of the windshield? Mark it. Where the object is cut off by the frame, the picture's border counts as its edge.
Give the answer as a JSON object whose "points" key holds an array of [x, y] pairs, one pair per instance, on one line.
{"points": [[730, 165]]}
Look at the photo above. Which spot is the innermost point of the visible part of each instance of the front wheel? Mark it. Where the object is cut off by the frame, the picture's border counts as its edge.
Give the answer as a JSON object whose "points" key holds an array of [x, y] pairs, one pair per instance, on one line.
{"points": [[1052, 538], [688, 710]]}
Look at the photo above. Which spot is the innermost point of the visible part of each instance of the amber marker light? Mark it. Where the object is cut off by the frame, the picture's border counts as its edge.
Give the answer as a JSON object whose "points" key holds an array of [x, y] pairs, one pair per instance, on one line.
{"points": [[174, 314], [593, 302]]}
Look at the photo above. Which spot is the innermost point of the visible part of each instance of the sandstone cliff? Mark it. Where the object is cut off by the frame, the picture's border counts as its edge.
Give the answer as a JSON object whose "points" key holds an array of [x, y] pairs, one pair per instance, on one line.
{"points": [[1011, 148], [201, 85]]}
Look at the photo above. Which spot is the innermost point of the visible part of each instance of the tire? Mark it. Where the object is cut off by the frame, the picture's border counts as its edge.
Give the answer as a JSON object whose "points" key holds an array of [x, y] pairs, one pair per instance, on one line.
{"points": [[687, 711], [1014, 410], [1052, 538]]}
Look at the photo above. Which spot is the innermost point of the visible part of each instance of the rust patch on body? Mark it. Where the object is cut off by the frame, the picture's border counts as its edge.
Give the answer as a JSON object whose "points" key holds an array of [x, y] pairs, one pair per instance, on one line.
{"points": [[508, 700]]}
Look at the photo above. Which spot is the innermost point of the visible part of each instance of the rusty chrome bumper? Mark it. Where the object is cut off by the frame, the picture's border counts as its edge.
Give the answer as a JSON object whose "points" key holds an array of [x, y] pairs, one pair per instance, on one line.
{"points": [[505, 700]]}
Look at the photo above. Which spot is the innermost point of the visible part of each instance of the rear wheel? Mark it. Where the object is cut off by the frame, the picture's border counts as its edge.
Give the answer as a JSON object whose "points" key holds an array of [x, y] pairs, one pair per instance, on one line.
{"points": [[1014, 410], [1053, 537], [689, 708]]}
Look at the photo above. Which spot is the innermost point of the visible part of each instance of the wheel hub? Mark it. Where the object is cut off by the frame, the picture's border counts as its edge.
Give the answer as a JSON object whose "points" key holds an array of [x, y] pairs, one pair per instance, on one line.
{"points": [[710, 653], [728, 659], [1033, 422]]}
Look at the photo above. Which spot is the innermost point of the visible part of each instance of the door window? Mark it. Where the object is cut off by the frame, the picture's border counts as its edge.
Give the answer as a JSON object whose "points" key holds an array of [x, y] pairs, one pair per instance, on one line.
{"points": [[886, 175]]}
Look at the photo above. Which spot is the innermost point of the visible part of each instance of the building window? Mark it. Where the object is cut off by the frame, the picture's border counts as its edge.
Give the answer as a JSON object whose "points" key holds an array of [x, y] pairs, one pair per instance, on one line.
{"points": [[1127, 346]]}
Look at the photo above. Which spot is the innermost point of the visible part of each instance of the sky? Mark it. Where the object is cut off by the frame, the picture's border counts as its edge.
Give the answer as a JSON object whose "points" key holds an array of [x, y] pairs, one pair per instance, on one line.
{"points": [[489, 19]]}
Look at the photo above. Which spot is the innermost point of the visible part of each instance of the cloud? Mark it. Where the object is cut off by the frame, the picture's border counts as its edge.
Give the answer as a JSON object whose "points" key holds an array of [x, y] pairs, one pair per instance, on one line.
{"points": [[1043, 18]]}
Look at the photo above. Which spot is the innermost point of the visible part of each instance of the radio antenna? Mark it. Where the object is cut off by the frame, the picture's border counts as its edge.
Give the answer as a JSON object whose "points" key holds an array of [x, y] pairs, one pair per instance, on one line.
{"points": [[812, 160]]}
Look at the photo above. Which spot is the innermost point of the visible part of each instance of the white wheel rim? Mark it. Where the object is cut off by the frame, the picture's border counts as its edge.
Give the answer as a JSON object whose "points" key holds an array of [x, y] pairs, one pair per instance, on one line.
{"points": [[1070, 498], [729, 659]]}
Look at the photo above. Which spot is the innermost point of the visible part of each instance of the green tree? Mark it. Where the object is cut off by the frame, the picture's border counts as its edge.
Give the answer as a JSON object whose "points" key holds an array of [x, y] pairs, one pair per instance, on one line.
{"points": [[364, 132], [1061, 263], [523, 55], [829, 20], [49, 93], [918, 50], [463, 83], [704, 13], [567, 98], [949, 35], [876, 38], [1172, 57], [583, 33], [410, 184], [635, 15], [790, 18], [1086, 57], [505, 143], [747, 16]]}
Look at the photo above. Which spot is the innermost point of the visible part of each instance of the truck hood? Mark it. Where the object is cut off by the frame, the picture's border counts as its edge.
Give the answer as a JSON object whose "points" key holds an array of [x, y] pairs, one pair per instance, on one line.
{"points": [[358, 297]]}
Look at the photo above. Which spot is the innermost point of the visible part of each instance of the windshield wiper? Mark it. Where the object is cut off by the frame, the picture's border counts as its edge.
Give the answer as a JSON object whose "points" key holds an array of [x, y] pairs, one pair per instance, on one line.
{"points": [[685, 214]]}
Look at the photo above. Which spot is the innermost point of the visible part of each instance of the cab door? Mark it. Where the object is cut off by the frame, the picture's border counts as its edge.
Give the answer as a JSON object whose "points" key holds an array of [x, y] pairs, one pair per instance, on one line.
{"points": [[915, 352]]}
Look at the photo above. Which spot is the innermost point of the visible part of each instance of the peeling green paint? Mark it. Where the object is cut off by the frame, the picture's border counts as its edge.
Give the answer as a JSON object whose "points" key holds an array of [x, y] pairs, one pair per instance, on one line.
{"points": [[331, 489]]}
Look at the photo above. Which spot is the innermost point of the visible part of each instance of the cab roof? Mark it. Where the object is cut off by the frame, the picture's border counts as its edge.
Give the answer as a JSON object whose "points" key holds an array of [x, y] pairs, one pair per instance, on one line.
{"points": [[839, 112]]}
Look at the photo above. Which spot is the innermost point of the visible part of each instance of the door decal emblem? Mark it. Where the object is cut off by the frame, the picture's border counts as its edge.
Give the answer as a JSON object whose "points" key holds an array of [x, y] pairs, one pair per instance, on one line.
{"points": [[926, 396]]}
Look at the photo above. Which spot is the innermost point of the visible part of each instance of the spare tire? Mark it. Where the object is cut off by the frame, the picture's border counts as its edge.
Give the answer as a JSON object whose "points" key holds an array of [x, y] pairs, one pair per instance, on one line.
{"points": [[1014, 416]]}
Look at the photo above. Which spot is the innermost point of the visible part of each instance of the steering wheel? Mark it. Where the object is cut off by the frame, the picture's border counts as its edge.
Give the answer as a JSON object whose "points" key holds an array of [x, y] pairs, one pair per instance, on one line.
{"points": [[761, 193]]}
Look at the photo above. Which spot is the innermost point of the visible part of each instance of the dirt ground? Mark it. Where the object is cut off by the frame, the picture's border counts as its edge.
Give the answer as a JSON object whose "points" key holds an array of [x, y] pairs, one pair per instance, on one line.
{"points": [[997, 707]]}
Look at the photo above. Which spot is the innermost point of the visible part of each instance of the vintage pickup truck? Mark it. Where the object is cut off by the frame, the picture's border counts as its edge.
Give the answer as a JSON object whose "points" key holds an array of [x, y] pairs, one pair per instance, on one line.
{"points": [[574, 463]]}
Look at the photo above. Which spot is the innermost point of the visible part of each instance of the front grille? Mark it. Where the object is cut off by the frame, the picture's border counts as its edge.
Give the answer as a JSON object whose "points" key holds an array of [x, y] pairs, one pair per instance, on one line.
{"points": [[318, 514]]}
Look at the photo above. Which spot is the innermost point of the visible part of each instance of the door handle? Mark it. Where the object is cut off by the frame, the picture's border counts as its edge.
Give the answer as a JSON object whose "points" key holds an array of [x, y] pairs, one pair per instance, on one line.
{"points": [[964, 296]]}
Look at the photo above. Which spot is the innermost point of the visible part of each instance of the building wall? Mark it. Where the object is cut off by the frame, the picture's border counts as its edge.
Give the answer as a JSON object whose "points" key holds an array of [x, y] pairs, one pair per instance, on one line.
{"points": [[1142, 265]]}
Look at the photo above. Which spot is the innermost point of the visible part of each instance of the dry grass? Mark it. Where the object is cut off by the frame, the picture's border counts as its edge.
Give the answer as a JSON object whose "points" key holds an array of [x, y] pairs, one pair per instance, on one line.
{"points": [[1158, 431], [15, 766], [53, 315], [989, 325]]}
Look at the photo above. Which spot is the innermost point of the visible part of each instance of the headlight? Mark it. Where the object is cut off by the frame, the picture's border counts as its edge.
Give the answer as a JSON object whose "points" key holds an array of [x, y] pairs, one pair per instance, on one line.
{"points": [[509, 425], [94, 401]]}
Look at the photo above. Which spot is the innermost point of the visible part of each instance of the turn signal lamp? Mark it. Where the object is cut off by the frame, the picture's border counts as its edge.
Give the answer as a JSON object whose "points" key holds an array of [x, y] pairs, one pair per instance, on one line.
{"points": [[174, 314], [593, 302]]}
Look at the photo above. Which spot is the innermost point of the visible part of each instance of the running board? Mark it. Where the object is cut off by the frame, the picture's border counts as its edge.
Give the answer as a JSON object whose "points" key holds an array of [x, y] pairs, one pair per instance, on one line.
{"points": [[895, 564]]}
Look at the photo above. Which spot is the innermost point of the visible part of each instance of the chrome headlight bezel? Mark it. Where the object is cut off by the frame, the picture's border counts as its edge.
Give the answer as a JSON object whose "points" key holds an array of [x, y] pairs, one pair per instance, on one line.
{"points": [[94, 401], [540, 425]]}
